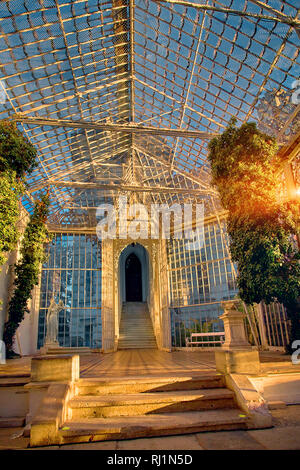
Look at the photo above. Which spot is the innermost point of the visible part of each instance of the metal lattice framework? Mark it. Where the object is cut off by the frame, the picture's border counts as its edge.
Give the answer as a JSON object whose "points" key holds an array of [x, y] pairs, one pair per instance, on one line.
{"points": [[124, 95]]}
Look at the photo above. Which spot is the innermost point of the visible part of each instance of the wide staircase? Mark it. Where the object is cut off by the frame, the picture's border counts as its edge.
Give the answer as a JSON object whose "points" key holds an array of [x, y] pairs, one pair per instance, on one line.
{"points": [[136, 331], [149, 406]]}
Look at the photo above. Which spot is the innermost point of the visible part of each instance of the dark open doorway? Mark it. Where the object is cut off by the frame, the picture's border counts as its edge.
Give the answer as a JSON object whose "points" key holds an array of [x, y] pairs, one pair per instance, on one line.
{"points": [[133, 277]]}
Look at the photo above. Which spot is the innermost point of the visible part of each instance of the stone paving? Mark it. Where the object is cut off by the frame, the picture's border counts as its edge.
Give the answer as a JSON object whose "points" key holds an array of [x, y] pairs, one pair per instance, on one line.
{"points": [[153, 362], [285, 435]]}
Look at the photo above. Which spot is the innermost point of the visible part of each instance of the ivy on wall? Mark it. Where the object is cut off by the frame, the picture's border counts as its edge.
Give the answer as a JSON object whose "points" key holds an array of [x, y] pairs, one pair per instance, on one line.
{"points": [[17, 158], [261, 225], [10, 191], [27, 269]]}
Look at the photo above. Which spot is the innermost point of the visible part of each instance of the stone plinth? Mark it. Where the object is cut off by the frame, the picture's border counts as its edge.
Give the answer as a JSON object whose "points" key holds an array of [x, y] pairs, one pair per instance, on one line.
{"points": [[236, 354], [52, 344], [234, 327], [45, 371], [48, 346], [55, 368], [243, 361]]}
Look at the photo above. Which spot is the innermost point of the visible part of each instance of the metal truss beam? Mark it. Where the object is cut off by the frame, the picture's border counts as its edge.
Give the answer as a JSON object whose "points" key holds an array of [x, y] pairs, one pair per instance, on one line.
{"points": [[127, 128], [120, 27], [187, 96], [52, 227], [177, 170], [92, 164], [122, 187], [279, 17], [132, 91]]}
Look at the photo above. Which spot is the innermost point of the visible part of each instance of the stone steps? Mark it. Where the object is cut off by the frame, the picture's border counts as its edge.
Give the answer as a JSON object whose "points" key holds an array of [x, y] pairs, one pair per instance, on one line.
{"points": [[130, 339], [147, 406], [12, 422], [145, 332], [136, 331], [137, 345], [142, 335], [65, 350], [145, 329], [106, 406], [148, 384], [136, 328], [136, 325], [139, 339], [166, 424], [134, 345], [13, 400]]}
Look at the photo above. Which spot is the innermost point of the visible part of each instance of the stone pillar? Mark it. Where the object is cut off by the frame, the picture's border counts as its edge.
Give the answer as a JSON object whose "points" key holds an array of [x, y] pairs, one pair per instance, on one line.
{"points": [[165, 320], [108, 310], [236, 355]]}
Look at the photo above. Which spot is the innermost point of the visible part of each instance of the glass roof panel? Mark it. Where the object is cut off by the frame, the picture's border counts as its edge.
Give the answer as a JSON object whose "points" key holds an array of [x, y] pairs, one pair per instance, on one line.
{"points": [[101, 70]]}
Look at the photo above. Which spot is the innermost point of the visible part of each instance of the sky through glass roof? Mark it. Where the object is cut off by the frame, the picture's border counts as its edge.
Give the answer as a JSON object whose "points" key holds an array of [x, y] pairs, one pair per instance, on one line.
{"points": [[117, 67]]}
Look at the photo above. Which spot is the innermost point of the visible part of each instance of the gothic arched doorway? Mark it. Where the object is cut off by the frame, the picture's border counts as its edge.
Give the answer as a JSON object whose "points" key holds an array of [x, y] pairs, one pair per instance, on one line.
{"points": [[133, 279]]}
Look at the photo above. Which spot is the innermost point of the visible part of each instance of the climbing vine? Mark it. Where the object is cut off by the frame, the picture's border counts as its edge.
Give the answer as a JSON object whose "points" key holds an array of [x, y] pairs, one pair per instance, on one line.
{"points": [[27, 269], [17, 158], [10, 192], [261, 225]]}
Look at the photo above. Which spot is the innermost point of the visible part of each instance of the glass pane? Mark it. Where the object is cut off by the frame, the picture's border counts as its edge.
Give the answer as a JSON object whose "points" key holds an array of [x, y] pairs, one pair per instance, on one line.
{"points": [[72, 273]]}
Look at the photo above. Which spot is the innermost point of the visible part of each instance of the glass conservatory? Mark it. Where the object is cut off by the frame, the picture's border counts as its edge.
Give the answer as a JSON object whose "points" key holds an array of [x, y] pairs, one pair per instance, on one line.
{"points": [[120, 99]]}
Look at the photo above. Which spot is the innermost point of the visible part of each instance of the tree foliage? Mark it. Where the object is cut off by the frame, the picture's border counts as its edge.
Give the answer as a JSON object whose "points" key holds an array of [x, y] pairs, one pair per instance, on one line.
{"points": [[17, 158], [261, 225], [16, 152], [27, 268]]}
